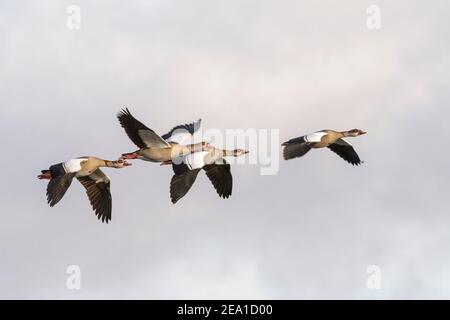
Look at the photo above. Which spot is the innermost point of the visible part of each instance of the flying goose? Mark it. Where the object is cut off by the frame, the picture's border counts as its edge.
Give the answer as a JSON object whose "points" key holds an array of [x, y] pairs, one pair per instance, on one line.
{"points": [[87, 171], [216, 167], [155, 148], [331, 139]]}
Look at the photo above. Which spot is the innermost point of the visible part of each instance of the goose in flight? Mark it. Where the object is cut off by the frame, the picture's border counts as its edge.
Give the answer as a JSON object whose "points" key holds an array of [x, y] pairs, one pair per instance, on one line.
{"points": [[216, 167], [87, 171], [298, 147], [156, 148]]}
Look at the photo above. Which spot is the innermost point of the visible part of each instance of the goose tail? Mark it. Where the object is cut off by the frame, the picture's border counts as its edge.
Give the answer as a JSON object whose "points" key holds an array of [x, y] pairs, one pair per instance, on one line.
{"points": [[45, 174]]}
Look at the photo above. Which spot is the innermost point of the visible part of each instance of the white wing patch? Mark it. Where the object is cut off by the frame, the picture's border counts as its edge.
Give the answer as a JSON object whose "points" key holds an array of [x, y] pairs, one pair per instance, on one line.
{"points": [[73, 165], [196, 160], [315, 137]]}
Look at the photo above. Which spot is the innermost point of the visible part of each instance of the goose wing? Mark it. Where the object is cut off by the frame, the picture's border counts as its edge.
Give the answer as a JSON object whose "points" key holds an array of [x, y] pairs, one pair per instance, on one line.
{"points": [[220, 176], [182, 134], [57, 187], [181, 183], [296, 148], [97, 186], [190, 161], [141, 135], [345, 151]]}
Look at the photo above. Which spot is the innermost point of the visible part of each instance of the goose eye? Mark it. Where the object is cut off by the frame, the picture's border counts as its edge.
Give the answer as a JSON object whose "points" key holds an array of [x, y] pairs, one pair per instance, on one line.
{"points": [[120, 161]]}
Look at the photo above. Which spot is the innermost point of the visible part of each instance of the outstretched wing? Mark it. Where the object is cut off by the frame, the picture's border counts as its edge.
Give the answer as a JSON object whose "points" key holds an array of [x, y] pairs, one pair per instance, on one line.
{"points": [[179, 165], [345, 151], [221, 178], [182, 134], [57, 187], [141, 135], [97, 186], [182, 183], [296, 148]]}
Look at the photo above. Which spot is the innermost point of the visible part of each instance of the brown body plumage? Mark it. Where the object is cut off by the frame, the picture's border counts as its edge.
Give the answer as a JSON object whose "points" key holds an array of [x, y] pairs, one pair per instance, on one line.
{"points": [[153, 147], [298, 147], [87, 171]]}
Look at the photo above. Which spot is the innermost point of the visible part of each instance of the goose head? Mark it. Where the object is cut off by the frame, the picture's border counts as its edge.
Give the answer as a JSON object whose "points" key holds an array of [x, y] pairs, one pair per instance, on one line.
{"points": [[206, 146], [120, 163], [198, 147], [130, 156], [354, 133], [239, 152]]}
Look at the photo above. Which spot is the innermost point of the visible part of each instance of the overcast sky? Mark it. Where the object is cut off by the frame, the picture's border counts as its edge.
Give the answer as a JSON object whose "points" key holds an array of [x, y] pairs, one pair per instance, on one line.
{"points": [[309, 231]]}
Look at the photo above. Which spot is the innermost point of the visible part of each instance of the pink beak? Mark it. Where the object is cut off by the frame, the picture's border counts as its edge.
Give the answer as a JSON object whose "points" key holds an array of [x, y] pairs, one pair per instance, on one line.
{"points": [[129, 156]]}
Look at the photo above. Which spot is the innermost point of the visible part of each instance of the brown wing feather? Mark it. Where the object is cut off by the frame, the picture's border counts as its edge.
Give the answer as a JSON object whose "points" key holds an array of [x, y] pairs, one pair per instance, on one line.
{"points": [[57, 187], [182, 183], [189, 127], [345, 151], [221, 178], [97, 187], [140, 134], [295, 148]]}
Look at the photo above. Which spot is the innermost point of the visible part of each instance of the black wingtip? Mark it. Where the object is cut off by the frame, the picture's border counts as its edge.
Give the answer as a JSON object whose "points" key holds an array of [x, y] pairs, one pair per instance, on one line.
{"points": [[357, 164], [123, 113], [287, 155], [50, 201], [104, 218], [174, 199], [197, 124]]}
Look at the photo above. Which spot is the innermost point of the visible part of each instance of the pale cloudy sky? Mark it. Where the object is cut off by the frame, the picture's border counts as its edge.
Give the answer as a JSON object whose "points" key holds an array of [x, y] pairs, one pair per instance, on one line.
{"points": [[309, 231]]}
